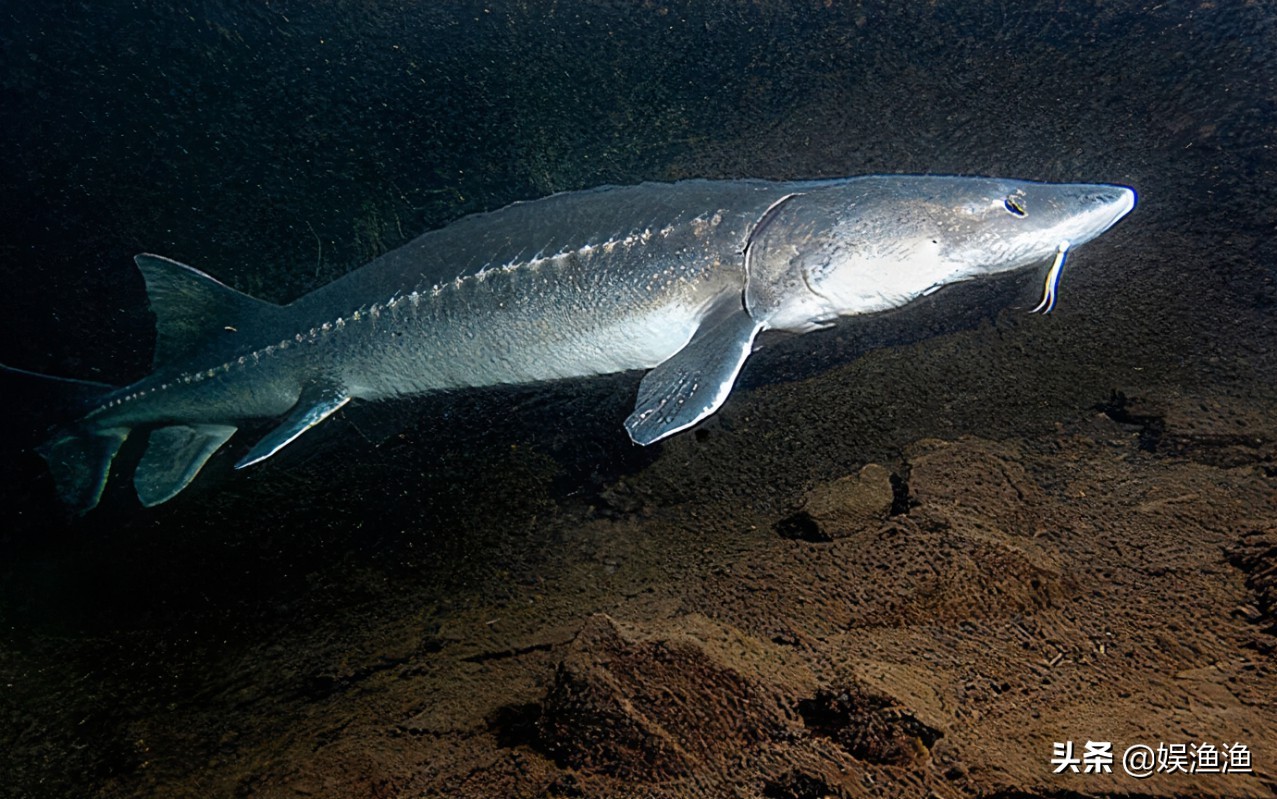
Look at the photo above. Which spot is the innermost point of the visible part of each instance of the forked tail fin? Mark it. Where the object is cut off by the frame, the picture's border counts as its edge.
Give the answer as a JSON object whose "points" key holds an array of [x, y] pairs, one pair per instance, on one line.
{"points": [[195, 315], [80, 462], [78, 457], [80, 454]]}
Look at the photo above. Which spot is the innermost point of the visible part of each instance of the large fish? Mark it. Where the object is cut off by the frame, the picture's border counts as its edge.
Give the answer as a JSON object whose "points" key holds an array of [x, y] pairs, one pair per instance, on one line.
{"points": [[676, 278]]}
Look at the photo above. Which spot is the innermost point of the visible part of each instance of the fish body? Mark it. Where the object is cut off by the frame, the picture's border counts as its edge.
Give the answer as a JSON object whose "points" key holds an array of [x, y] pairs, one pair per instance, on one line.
{"points": [[674, 278]]}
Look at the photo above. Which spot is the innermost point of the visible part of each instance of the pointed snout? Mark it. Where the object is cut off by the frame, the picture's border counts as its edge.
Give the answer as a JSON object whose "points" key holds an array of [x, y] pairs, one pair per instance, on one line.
{"points": [[1096, 208], [1118, 200], [1111, 203]]}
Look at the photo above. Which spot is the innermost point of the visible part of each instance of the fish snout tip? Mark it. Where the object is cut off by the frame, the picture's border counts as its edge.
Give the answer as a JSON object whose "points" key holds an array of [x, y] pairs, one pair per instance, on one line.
{"points": [[1111, 204], [1127, 198], [1119, 199]]}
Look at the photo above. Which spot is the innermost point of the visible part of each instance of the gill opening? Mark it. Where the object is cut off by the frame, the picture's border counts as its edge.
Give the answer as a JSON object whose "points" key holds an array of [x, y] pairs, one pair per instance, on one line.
{"points": [[762, 223], [1052, 284]]}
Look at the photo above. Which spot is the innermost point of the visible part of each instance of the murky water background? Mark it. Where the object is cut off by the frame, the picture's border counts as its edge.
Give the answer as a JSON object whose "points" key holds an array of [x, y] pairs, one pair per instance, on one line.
{"points": [[277, 145]]}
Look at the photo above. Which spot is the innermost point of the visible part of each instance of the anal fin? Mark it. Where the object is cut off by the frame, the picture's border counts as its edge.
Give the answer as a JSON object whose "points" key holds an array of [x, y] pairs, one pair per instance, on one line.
{"points": [[696, 380], [174, 455], [317, 403]]}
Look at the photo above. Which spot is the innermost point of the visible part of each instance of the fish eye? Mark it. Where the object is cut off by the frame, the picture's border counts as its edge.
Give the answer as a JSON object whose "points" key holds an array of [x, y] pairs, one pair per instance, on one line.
{"points": [[1014, 206]]}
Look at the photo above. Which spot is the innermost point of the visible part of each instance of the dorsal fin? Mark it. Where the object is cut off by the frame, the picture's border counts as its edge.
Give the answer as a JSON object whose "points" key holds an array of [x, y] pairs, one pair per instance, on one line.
{"points": [[193, 311]]}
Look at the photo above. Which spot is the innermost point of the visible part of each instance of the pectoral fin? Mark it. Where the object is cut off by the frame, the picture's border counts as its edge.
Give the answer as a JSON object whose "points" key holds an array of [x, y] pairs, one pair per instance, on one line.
{"points": [[317, 403], [174, 455], [697, 379]]}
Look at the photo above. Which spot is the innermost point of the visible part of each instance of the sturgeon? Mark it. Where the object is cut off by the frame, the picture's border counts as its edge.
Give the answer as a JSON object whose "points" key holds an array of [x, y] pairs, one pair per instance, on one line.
{"points": [[676, 278]]}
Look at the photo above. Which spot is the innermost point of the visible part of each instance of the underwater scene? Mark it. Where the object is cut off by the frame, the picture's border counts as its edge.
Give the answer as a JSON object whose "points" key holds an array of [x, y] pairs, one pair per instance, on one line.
{"points": [[622, 399]]}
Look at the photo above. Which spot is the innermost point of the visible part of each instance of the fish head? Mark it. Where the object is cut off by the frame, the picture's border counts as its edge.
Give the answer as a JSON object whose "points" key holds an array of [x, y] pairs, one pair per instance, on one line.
{"points": [[864, 245], [993, 226]]}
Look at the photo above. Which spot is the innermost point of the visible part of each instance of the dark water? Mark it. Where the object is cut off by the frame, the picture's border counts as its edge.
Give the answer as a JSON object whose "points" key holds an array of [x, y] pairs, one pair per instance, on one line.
{"points": [[277, 145]]}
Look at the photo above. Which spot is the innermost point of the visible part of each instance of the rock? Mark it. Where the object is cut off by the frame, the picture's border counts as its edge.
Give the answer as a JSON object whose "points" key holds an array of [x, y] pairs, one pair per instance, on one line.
{"points": [[652, 705], [871, 727], [842, 507]]}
